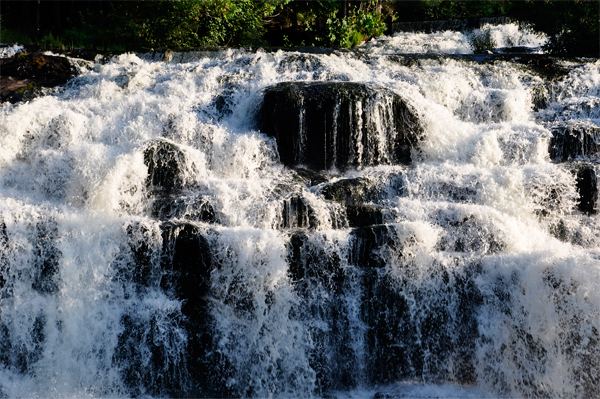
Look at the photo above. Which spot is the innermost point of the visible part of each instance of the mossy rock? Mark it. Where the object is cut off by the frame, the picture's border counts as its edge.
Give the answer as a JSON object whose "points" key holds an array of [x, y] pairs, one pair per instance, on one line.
{"points": [[349, 192]]}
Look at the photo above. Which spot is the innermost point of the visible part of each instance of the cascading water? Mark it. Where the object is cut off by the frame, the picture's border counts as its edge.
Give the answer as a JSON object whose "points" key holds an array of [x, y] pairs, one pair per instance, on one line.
{"points": [[152, 243]]}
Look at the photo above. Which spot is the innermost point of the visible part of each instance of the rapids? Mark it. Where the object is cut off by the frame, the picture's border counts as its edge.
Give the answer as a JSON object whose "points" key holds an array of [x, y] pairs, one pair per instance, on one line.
{"points": [[480, 279]]}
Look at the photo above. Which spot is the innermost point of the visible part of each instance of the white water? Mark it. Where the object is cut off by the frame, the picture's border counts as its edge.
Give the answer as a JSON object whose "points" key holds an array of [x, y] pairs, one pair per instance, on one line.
{"points": [[456, 42], [72, 179], [7, 51]]}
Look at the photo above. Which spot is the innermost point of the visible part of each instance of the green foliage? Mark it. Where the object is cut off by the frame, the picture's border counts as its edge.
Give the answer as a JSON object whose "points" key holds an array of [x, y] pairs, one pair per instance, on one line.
{"points": [[326, 25], [174, 23], [444, 9], [13, 36], [572, 27], [482, 42], [51, 42]]}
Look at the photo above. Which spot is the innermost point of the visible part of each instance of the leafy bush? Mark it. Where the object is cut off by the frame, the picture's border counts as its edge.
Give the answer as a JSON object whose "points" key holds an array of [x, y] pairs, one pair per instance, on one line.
{"points": [[51, 42], [327, 25]]}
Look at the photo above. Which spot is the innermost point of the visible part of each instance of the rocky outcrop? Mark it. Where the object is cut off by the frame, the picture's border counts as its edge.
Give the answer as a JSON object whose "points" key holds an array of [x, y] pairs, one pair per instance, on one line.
{"points": [[576, 145], [586, 182], [143, 351], [24, 75], [572, 141], [398, 338], [165, 162], [339, 125]]}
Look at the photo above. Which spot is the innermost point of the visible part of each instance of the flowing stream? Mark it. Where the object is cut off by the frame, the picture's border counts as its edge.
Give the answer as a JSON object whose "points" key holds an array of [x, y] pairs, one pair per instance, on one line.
{"points": [[479, 275]]}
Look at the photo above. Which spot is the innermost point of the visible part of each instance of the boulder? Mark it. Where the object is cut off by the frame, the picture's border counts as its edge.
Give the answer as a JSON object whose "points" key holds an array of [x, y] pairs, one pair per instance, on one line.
{"points": [[349, 192], [574, 140], [24, 74], [340, 125], [364, 215], [165, 162], [297, 213]]}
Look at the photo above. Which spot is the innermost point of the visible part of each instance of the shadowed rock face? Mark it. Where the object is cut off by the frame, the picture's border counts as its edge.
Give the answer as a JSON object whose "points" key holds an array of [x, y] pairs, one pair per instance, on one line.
{"points": [[24, 74], [587, 186], [572, 141], [339, 125]]}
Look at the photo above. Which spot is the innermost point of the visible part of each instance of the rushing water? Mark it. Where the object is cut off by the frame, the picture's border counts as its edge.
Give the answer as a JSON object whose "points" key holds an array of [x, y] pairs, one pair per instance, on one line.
{"points": [[485, 280]]}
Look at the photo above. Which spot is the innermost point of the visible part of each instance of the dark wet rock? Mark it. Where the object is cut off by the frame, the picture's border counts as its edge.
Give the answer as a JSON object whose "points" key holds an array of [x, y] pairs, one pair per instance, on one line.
{"points": [[24, 74], [539, 97], [322, 285], [574, 140], [297, 213], [349, 191], [467, 233], [369, 243], [360, 190], [549, 68], [4, 261], [46, 257], [417, 330], [22, 345], [515, 49], [364, 215], [339, 125], [144, 355], [587, 186], [137, 262], [410, 329], [223, 104], [165, 162], [188, 261], [312, 178], [191, 208]]}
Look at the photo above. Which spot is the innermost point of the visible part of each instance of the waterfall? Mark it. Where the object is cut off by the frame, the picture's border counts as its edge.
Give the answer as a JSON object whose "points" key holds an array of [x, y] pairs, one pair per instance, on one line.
{"points": [[365, 223]]}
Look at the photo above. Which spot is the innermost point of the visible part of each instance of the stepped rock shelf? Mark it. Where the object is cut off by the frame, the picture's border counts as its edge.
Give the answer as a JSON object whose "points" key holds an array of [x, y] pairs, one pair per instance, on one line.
{"points": [[285, 224]]}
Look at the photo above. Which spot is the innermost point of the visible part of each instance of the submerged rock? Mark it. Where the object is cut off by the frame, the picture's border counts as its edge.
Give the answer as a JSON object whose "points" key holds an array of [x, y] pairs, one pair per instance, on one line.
{"points": [[192, 208], [339, 125], [24, 74]]}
